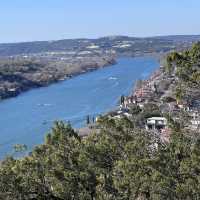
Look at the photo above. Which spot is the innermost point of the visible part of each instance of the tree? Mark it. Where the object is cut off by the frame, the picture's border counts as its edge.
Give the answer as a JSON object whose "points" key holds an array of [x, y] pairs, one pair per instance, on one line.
{"points": [[132, 173], [122, 99], [119, 162], [88, 120], [179, 94]]}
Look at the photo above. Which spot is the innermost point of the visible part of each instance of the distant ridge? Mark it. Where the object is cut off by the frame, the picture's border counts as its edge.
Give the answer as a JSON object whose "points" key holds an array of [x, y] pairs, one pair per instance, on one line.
{"points": [[179, 37], [112, 37], [104, 43]]}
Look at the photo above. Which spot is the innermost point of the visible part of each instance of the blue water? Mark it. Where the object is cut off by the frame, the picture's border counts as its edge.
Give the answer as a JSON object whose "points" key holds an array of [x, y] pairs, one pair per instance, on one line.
{"points": [[27, 118]]}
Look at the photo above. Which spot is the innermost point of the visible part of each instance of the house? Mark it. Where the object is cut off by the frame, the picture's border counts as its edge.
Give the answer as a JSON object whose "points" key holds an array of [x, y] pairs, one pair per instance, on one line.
{"points": [[184, 105], [126, 101], [194, 114], [195, 124], [165, 135], [156, 123]]}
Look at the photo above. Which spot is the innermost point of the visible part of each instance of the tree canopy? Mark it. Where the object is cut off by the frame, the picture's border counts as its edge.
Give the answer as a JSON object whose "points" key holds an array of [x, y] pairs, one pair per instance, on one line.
{"points": [[120, 162]]}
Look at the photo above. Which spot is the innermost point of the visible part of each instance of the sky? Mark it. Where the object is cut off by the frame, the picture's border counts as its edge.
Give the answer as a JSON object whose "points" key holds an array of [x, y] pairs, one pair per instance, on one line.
{"points": [[36, 20]]}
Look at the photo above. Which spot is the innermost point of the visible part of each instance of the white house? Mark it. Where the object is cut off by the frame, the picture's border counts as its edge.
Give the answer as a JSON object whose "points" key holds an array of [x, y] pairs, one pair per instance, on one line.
{"points": [[158, 123]]}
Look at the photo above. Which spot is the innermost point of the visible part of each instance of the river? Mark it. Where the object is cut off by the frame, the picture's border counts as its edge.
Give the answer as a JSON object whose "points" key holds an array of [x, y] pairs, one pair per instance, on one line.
{"points": [[27, 118]]}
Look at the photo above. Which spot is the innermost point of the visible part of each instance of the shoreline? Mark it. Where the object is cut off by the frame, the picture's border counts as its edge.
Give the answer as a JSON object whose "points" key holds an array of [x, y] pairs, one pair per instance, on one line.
{"points": [[88, 129], [107, 61], [122, 71], [83, 69]]}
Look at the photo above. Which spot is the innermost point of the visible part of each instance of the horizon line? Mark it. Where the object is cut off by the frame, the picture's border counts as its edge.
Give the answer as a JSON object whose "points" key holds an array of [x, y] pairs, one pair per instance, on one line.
{"points": [[99, 37]]}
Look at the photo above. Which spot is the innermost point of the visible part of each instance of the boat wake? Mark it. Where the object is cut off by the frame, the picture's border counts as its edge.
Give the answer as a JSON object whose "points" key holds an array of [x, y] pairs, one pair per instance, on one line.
{"points": [[44, 104], [112, 78]]}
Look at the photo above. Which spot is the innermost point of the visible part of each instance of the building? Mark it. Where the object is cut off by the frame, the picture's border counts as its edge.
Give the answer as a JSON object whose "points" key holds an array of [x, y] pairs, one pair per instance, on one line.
{"points": [[126, 101], [195, 123], [156, 123]]}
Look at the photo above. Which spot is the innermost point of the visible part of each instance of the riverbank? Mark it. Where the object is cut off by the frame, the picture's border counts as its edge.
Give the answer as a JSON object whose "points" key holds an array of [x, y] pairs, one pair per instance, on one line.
{"points": [[27, 118], [24, 66], [20, 75], [168, 98], [146, 90]]}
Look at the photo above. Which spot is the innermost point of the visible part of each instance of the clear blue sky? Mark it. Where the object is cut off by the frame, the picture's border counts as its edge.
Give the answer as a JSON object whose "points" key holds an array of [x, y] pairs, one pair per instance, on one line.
{"points": [[30, 20]]}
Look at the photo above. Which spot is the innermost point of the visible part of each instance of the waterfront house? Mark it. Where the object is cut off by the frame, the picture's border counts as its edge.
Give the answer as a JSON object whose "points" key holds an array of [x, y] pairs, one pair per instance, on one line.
{"points": [[156, 123], [195, 124], [195, 121], [126, 101]]}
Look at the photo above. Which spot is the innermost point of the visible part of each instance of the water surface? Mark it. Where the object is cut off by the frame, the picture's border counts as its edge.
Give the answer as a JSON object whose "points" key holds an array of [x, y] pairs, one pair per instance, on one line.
{"points": [[27, 118]]}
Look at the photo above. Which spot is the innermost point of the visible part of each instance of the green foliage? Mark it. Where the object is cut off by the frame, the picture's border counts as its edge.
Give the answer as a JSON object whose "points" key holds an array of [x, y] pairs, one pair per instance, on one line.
{"points": [[122, 99], [121, 162], [172, 60], [149, 110], [185, 65], [134, 109], [179, 94]]}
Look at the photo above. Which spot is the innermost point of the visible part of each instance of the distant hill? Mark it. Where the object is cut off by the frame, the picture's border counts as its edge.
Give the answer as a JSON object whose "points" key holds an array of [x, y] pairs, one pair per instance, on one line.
{"points": [[119, 44], [179, 38]]}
